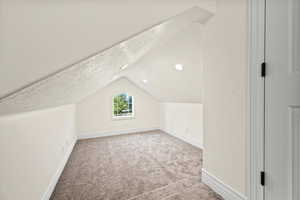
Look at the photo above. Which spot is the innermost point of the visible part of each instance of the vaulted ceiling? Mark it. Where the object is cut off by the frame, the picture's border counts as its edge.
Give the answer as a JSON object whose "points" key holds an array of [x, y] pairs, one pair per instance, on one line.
{"points": [[150, 54], [157, 67]]}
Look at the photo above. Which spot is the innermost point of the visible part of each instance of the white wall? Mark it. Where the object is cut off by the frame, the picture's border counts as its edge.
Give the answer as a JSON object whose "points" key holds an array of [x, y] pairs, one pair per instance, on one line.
{"points": [[183, 120], [94, 113], [32, 147], [225, 93]]}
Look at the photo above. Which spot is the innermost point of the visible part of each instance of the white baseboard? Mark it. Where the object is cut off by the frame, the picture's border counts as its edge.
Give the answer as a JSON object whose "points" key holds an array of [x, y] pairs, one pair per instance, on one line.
{"points": [[112, 133], [192, 142], [59, 171], [227, 192]]}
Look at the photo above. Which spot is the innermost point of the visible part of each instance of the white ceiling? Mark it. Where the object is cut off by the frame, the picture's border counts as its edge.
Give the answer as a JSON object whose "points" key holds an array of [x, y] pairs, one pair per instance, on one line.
{"points": [[41, 37], [158, 67], [149, 55]]}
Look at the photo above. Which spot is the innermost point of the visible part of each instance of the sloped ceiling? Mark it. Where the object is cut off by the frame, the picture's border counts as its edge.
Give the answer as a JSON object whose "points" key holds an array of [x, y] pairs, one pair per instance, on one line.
{"points": [[157, 67], [141, 54], [39, 38]]}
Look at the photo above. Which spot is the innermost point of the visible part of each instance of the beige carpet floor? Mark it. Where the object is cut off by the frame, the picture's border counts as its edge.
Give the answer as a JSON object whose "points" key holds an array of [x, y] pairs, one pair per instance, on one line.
{"points": [[144, 166]]}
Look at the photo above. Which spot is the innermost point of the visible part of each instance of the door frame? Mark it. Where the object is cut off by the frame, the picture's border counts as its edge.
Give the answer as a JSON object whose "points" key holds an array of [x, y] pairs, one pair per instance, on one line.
{"points": [[256, 102]]}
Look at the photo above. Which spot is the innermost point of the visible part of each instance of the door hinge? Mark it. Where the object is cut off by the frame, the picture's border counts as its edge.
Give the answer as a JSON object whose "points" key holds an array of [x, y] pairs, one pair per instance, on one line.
{"points": [[262, 178], [263, 69]]}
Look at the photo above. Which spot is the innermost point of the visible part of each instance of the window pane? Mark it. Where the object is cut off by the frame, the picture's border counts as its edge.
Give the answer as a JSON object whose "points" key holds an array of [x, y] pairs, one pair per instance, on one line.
{"points": [[123, 105]]}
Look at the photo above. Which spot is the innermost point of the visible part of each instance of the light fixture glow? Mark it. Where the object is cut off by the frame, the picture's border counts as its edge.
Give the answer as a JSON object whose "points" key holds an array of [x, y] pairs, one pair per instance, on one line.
{"points": [[145, 81], [115, 77], [123, 67], [179, 67]]}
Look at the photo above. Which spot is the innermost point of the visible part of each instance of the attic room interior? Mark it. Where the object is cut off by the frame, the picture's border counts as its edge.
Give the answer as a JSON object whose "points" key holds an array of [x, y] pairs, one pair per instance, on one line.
{"points": [[123, 100]]}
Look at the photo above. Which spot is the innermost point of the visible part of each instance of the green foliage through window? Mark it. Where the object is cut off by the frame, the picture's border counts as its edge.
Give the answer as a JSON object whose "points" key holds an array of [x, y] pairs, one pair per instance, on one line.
{"points": [[123, 105]]}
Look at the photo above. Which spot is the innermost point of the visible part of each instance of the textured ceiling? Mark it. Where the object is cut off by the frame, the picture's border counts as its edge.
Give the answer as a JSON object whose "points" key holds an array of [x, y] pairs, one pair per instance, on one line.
{"points": [[157, 67], [86, 77], [39, 38]]}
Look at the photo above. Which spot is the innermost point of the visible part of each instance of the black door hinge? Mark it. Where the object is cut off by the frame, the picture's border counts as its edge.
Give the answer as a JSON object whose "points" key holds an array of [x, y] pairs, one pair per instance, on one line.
{"points": [[263, 69], [262, 178]]}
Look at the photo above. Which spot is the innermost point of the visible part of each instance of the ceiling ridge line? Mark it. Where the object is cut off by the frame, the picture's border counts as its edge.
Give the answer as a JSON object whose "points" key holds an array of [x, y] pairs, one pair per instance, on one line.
{"points": [[74, 64]]}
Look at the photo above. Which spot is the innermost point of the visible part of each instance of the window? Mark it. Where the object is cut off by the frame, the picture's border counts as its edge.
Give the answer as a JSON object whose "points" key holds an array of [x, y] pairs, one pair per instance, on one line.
{"points": [[123, 106]]}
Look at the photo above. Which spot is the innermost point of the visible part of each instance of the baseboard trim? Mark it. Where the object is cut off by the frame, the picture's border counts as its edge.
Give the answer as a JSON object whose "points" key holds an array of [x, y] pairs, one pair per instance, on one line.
{"points": [[195, 144], [59, 171], [113, 133], [227, 192]]}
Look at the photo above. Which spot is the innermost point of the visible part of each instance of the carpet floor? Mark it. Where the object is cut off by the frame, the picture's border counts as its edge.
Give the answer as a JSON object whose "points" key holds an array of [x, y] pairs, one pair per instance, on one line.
{"points": [[143, 166]]}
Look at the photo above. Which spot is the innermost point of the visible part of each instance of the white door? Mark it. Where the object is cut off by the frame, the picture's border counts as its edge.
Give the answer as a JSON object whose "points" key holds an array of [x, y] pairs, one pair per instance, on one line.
{"points": [[282, 100]]}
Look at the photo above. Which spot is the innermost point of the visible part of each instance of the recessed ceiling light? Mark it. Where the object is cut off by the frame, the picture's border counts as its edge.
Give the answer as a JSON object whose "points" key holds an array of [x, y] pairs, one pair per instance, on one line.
{"points": [[145, 81], [179, 67], [123, 67], [115, 77]]}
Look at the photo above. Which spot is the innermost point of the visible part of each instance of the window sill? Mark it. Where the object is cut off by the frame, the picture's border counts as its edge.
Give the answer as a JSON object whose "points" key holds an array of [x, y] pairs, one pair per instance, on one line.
{"points": [[123, 118]]}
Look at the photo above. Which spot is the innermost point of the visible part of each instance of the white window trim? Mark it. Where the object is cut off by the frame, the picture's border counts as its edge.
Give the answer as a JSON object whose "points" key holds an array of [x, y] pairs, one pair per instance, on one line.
{"points": [[132, 116]]}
